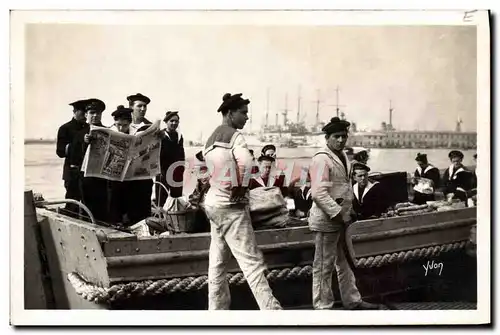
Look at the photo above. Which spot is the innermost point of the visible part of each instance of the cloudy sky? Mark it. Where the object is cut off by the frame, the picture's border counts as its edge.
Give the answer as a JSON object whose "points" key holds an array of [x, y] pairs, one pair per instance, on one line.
{"points": [[429, 73]]}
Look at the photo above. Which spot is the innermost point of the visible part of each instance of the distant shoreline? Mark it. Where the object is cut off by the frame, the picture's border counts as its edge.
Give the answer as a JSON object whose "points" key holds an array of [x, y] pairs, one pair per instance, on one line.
{"points": [[33, 140]]}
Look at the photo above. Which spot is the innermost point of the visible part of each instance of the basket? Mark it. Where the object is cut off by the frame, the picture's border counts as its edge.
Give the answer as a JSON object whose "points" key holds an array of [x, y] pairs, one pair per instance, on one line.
{"points": [[181, 221], [174, 222]]}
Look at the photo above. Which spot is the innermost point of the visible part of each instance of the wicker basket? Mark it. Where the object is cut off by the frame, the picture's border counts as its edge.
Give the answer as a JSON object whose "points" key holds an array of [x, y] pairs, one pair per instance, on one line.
{"points": [[174, 222], [181, 221]]}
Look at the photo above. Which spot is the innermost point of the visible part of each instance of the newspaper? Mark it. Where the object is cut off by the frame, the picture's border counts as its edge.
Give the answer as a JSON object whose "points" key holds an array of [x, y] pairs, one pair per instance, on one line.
{"points": [[117, 156]]}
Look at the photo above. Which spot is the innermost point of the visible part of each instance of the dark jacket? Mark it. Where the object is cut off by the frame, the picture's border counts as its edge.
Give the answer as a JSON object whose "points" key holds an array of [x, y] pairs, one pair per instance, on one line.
{"points": [[431, 173], [449, 181], [371, 203], [65, 137], [172, 150]]}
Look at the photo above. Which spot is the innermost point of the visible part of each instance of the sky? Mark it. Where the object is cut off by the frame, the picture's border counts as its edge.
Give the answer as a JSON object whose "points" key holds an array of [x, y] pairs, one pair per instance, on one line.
{"points": [[428, 72]]}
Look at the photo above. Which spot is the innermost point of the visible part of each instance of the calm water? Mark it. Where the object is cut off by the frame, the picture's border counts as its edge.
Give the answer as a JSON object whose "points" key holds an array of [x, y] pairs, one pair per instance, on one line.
{"points": [[44, 168]]}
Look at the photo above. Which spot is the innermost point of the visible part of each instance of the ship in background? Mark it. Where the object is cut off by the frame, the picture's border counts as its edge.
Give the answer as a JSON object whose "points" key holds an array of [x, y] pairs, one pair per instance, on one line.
{"points": [[292, 134]]}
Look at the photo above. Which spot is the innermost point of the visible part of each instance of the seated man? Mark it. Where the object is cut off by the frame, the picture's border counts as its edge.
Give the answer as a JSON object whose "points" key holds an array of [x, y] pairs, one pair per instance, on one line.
{"points": [[267, 178], [369, 200]]}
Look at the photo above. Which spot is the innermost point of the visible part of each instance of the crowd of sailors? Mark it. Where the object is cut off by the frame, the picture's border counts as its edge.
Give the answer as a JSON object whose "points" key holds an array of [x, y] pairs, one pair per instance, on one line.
{"points": [[337, 191]]}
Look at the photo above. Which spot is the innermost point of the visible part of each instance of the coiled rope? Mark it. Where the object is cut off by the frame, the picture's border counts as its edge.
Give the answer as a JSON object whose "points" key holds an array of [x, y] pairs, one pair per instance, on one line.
{"points": [[145, 288]]}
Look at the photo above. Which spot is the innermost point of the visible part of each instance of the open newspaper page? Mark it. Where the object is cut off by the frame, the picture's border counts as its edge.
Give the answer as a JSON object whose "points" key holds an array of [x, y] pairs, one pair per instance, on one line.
{"points": [[145, 155], [108, 154], [117, 156]]}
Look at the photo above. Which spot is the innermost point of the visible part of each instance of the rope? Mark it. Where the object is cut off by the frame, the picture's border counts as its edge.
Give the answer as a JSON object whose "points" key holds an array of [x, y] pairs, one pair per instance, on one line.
{"points": [[405, 256], [145, 288]]}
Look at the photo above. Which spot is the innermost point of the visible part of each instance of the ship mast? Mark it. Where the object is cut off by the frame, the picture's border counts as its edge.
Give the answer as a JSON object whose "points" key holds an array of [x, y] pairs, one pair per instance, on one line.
{"points": [[390, 115], [285, 111], [317, 101], [298, 107], [267, 109], [337, 105]]}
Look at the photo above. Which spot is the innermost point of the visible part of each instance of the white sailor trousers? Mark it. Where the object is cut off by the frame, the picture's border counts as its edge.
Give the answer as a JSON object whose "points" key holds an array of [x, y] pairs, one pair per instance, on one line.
{"points": [[232, 233], [328, 255]]}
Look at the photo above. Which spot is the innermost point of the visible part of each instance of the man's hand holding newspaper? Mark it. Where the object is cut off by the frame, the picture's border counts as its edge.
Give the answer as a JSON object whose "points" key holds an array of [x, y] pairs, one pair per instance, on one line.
{"points": [[116, 156]]}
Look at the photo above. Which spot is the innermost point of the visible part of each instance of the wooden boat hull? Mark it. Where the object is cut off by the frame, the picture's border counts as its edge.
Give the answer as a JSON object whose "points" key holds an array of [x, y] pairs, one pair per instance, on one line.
{"points": [[110, 267]]}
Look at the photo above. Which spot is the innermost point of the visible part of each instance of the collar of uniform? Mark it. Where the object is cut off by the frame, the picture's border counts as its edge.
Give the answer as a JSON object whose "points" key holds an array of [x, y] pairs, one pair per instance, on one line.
{"points": [[369, 185]]}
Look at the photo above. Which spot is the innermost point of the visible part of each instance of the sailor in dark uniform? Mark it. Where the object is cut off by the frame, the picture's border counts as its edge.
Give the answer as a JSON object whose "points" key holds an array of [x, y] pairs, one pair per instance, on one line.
{"points": [[172, 158], [121, 194], [65, 136], [368, 196], [427, 171], [456, 157], [94, 190], [267, 178], [142, 189]]}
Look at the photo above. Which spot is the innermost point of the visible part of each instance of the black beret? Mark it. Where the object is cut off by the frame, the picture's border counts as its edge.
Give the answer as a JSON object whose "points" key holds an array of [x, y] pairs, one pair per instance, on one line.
{"points": [[360, 166], [122, 112], [266, 158], [268, 147], [231, 102], [79, 104], [138, 97], [456, 153], [95, 104], [169, 115], [421, 158], [336, 125]]}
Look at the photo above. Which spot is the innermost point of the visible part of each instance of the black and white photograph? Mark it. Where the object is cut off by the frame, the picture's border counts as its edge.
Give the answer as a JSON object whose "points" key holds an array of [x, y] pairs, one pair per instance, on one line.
{"points": [[323, 167]]}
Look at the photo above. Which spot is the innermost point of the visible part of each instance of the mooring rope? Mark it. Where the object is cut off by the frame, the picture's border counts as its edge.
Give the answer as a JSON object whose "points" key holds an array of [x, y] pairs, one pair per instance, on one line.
{"points": [[117, 292]]}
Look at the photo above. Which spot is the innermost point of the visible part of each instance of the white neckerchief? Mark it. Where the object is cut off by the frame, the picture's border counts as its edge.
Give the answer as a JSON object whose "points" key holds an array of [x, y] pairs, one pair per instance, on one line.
{"points": [[367, 188], [427, 169], [179, 136], [450, 171], [308, 194]]}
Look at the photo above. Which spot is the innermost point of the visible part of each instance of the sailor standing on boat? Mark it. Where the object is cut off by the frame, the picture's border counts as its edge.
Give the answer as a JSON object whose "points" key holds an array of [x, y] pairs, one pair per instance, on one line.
{"points": [[226, 204], [429, 172], [332, 196], [94, 190], [172, 158], [142, 189], [65, 136]]}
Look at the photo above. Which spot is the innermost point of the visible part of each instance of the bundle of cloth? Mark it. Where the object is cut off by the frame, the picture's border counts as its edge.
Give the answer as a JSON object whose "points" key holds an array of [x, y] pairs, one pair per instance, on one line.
{"points": [[268, 208]]}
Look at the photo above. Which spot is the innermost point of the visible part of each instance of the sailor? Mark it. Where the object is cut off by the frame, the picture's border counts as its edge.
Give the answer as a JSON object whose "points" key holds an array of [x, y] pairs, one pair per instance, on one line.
{"points": [[450, 174], [369, 197], [429, 172], [172, 158], [268, 176], [226, 203], [94, 190], [332, 196], [65, 136], [121, 195], [142, 189]]}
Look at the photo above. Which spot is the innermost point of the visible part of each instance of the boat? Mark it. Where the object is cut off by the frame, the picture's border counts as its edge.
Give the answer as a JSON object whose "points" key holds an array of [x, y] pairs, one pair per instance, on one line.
{"points": [[81, 265]]}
